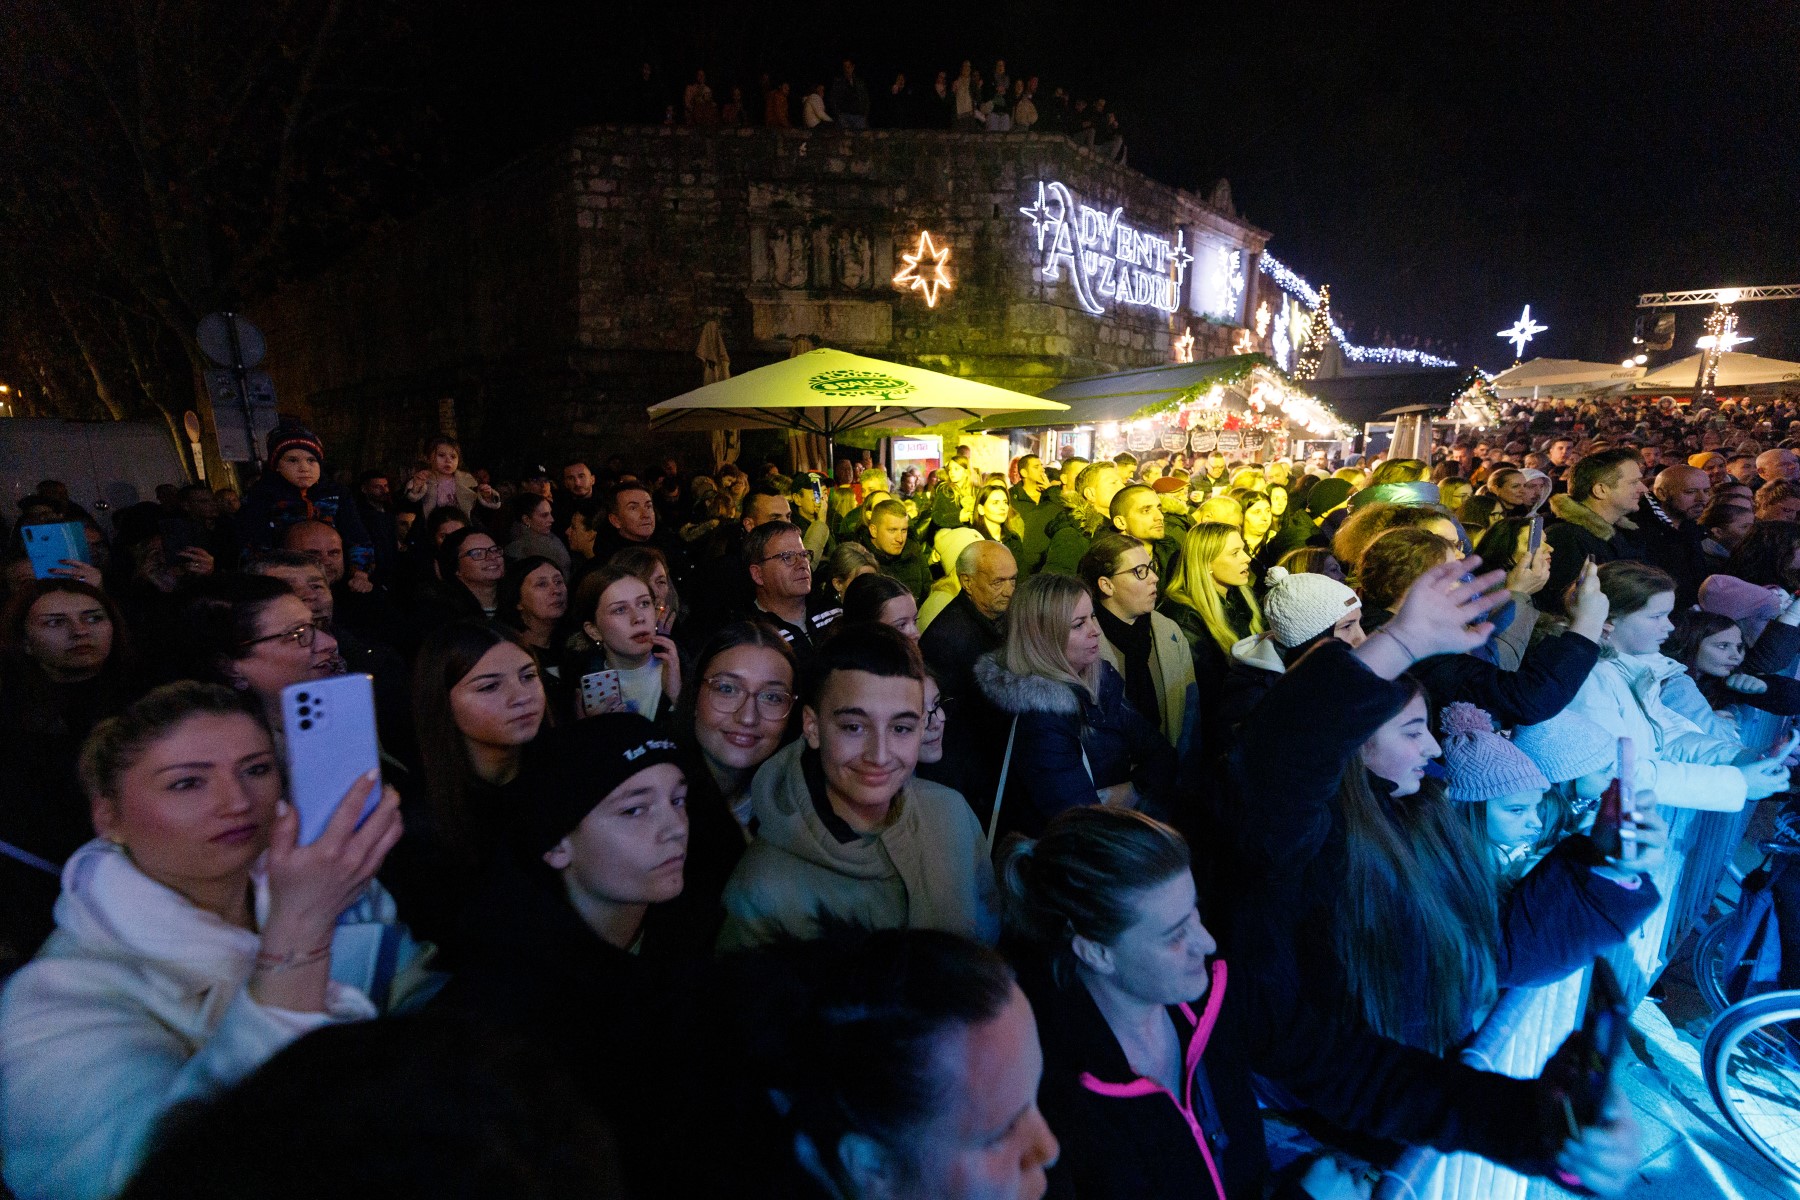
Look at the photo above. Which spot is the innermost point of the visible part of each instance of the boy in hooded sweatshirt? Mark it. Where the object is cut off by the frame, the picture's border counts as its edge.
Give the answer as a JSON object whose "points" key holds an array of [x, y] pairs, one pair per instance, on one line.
{"points": [[292, 490], [842, 828]]}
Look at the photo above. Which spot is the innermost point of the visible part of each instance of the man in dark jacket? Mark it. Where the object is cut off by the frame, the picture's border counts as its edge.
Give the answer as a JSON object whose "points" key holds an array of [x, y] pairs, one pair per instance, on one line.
{"points": [[1594, 520], [897, 553], [1037, 504], [1670, 521], [375, 504], [1074, 529], [630, 520], [1137, 512], [970, 626]]}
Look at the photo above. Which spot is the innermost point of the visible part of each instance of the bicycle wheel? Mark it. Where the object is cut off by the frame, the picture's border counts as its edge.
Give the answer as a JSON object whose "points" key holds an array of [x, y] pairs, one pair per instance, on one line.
{"points": [[1752, 1065], [1720, 972]]}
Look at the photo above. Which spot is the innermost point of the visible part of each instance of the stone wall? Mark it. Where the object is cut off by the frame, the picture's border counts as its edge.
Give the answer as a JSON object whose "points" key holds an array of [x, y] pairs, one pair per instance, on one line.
{"points": [[557, 300]]}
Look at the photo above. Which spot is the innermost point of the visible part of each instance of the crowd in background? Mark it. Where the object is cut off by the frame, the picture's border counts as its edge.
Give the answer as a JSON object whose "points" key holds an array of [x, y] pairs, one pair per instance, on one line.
{"points": [[967, 100], [961, 835]]}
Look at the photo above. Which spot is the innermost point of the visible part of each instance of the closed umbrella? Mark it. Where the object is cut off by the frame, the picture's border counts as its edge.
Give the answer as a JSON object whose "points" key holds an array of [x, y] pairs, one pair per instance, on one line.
{"points": [[715, 365]]}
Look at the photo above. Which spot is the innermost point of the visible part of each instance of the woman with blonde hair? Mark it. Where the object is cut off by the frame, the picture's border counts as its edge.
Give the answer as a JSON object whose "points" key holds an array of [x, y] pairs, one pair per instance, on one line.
{"points": [[1074, 739], [1210, 597]]}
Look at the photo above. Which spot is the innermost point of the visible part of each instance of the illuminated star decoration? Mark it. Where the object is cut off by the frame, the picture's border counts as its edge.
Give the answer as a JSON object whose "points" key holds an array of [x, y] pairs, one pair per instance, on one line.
{"points": [[1245, 343], [1184, 347], [1262, 319], [925, 269], [1522, 331]]}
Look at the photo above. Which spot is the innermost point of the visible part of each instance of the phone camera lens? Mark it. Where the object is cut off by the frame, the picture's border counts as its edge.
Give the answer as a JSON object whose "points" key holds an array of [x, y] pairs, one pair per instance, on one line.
{"points": [[306, 724], [302, 697], [305, 711]]}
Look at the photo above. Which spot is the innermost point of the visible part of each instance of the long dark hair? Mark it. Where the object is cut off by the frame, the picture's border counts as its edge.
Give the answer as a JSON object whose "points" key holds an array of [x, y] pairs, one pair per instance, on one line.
{"points": [[448, 655], [1498, 546], [36, 704], [1766, 555], [1417, 888]]}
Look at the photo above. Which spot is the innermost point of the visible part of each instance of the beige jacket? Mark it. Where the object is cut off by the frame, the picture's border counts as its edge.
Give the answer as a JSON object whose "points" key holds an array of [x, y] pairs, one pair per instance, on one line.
{"points": [[925, 870], [1172, 666]]}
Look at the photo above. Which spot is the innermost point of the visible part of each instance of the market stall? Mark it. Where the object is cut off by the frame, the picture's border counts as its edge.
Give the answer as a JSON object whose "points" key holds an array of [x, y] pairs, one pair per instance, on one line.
{"points": [[1241, 406]]}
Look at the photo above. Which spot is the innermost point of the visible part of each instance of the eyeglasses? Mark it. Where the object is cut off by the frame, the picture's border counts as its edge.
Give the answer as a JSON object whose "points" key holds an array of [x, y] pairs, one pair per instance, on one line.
{"points": [[480, 552], [1141, 572], [938, 713], [726, 697], [301, 636], [788, 558]]}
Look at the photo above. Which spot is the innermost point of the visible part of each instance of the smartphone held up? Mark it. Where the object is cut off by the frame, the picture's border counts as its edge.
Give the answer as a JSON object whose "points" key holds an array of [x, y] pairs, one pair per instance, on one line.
{"points": [[329, 725]]}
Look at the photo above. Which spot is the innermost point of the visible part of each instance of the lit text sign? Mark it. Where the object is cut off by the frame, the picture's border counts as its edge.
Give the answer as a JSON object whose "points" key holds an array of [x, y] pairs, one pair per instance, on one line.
{"points": [[1107, 261]]}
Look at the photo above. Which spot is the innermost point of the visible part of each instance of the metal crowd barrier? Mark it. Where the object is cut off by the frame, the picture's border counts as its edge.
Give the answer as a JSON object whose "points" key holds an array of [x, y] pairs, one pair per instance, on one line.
{"points": [[1528, 1024]]}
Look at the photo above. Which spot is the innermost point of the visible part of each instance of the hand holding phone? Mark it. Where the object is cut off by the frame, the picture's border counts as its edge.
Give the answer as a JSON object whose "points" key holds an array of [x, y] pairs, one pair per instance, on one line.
{"points": [[52, 547], [1602, 1147], [601, 692], [329, 726]]}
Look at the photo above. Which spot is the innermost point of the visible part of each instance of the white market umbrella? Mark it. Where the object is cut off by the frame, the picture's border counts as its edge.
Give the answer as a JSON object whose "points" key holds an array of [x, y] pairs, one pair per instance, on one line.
{"points": [[1735, 371], [829, 392], [1550, 377]]}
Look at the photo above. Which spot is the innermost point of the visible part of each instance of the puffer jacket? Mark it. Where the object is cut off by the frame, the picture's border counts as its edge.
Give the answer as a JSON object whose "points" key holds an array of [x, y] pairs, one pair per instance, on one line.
{"points": [[1069, 744], [1684, 765], [140, 1001]]}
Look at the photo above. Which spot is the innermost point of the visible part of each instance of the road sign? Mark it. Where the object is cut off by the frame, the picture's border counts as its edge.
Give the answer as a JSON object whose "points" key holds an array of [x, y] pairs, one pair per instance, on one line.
{"points": [[236, 428], [215, 337]]}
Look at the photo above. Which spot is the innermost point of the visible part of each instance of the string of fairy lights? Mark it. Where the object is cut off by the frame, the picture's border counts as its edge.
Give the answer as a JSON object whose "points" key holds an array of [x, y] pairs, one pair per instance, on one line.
{"points": [[1296, 286]]}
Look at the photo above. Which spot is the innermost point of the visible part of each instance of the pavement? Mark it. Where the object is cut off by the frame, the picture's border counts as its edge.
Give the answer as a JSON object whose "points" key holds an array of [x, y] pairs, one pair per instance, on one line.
{"points": [[1692, 1153]]}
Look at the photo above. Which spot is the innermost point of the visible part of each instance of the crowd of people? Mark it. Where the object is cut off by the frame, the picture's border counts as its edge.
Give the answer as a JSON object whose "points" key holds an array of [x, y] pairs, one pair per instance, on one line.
{"points": [[764, 833], [967, 100]]}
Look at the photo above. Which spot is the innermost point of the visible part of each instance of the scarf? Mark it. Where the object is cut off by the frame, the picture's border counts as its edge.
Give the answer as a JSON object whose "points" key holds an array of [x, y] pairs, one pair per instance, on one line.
{"points": [[1133, 643]]}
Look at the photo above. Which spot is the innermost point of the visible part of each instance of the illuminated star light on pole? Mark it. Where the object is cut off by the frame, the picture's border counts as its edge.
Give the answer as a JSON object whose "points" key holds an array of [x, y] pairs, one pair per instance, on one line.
{"points": [[1522, 331], [925, 269]]}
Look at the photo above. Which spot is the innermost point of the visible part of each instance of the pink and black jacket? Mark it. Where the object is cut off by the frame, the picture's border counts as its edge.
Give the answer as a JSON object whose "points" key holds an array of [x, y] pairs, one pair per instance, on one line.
{"points": [[1124, 1135]]}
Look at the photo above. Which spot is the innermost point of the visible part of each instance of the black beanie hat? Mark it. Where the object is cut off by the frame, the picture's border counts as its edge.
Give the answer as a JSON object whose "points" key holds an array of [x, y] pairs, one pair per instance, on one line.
{"points": [[573, 768], [290, 434]]}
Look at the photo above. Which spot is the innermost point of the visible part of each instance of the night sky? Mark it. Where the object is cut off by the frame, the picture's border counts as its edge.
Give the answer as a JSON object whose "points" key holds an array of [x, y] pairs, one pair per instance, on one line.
{"points": [[1440, 167]]}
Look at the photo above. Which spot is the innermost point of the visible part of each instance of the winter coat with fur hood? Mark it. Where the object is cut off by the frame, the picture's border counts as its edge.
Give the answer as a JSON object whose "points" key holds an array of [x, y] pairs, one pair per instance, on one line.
{"points": [[1578, 534], [1069, 744]]}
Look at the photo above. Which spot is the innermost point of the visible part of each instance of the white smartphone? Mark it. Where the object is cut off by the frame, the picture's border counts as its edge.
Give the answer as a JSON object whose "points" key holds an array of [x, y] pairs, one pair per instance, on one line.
{"points": [[601, 693], [331, 743]]}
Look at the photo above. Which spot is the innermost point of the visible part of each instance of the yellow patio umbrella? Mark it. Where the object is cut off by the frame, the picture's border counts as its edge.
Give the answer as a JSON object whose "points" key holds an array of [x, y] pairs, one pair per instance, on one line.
{"points": [[831, 392]]}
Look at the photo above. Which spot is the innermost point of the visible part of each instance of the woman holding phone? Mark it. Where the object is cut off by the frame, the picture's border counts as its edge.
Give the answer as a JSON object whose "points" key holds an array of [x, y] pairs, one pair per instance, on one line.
{"points": [[621, 663], [195, 939]]}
